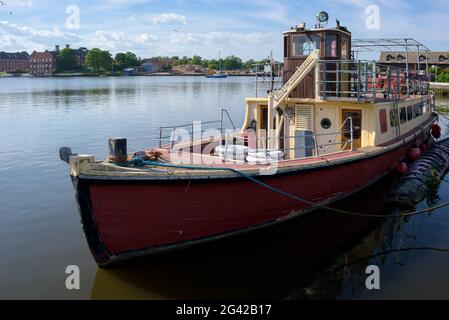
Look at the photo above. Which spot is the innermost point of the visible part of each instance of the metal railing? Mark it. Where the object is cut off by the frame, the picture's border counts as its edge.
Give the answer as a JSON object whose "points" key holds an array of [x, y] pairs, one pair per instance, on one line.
{"points": [[168, 133], [367, 80], [265, 144]]}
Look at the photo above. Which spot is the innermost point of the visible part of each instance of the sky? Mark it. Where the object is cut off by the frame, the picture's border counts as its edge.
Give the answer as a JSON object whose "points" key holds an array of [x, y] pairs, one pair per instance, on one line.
{"points": [[245, 28]]}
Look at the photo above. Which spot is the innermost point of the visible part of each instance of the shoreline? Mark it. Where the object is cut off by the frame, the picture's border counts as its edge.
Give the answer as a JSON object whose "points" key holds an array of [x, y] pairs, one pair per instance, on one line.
{"points": [[121, 75]]}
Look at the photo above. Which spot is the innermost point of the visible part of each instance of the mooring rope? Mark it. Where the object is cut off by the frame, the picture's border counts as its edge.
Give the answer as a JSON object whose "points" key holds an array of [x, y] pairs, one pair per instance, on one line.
{"points": [[141, 162]]}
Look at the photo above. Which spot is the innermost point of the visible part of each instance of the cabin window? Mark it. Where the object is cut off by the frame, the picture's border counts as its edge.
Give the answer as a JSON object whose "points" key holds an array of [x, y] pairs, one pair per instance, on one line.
{"points": [[403, 115], [344, 48], [326, 123], [394, 118], [383, 121], [410, 113], [304, 45], [285, 47], [418, 109], [331, 46]]}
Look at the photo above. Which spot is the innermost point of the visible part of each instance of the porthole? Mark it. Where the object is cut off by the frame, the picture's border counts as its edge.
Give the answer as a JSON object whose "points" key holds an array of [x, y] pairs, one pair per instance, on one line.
{"points": [[326, 123]]}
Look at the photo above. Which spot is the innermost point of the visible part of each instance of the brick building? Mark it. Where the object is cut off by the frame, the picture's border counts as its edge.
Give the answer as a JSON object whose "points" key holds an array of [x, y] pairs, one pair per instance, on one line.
{"points": [[12, 62], [155, 64], [80, 55], [42, 63]]}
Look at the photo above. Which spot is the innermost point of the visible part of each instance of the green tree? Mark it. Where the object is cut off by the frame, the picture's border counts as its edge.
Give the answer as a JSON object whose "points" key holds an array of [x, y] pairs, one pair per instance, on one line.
{"points": [[232, 63], [249, 64], [99, 60], [213, 64], [197, 60], [66, 60], [125, 60]]}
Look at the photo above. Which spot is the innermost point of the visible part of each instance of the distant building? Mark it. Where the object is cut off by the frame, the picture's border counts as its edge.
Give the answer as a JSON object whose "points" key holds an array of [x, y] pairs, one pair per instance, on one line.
{"points": [[155, 64], [12, 62], [80, 54], [129, 72], [398, 59], [43, 63]]}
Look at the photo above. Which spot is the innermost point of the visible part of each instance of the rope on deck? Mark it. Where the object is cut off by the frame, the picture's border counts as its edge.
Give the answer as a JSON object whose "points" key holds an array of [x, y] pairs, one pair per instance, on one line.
{"points": [[141, 162]]}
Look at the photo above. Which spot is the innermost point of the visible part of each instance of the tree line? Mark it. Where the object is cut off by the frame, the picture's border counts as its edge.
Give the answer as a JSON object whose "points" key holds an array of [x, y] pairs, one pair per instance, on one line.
{"points": [[98, 60]]}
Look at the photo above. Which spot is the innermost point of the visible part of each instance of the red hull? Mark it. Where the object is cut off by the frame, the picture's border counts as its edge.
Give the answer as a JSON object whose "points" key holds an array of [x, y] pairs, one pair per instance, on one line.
{"points": [[125, 217]]}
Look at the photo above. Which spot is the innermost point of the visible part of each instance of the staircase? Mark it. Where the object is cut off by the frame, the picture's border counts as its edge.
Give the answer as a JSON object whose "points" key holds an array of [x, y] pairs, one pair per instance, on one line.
{"points": [[296, 78]]}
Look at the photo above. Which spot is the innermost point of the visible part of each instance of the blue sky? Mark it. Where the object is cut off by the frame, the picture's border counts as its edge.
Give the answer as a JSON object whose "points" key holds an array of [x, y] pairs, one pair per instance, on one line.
{"points": [[246, 28]]}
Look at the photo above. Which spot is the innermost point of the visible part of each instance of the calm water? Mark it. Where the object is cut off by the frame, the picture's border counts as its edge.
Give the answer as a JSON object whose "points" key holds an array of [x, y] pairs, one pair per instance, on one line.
{"points": [[40, 228]]}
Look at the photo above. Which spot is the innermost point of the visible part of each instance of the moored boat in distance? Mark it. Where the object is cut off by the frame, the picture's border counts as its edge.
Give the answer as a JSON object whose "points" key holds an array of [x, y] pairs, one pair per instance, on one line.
{"points": [[217, 76], [220, 74], [336, 126]]}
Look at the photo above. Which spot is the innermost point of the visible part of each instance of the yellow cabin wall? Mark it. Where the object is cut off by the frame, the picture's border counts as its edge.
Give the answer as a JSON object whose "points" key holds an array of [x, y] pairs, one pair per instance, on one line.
{"points": [[371, 128]]}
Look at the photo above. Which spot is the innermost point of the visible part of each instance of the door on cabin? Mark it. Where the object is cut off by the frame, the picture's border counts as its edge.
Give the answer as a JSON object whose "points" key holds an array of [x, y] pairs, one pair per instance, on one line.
{"points": [[263, 127], [356, 116]]}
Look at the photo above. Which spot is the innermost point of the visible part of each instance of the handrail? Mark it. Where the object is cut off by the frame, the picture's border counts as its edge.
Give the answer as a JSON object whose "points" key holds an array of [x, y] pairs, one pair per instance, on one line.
{"points": [[341, 132], [191, 125], [366, 79], [316, 146], [296, 78], [229, 117]]}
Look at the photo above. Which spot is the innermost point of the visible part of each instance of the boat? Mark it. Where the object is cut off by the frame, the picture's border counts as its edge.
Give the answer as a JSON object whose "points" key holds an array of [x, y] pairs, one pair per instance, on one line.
{"points": [[220, 74], [217, 76], [336, 126]]}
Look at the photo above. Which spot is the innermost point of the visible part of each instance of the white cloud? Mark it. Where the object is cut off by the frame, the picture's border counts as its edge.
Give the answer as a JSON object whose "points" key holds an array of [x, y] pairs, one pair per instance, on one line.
{"points": [[168, 18], [16, 37]]}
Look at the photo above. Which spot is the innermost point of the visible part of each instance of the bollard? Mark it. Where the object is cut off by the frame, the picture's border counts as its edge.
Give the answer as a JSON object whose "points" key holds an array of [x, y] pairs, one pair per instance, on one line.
{"points": [[118, 152]]}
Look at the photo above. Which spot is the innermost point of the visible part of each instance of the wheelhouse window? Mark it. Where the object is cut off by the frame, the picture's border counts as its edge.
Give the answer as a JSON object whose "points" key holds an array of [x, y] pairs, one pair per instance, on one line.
{"points": [[304, 45], [331, 46], [344, 48]]}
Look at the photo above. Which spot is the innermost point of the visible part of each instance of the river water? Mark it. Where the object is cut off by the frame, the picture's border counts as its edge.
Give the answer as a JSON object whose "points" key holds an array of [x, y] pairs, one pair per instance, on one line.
{"points": [[40, 228]]}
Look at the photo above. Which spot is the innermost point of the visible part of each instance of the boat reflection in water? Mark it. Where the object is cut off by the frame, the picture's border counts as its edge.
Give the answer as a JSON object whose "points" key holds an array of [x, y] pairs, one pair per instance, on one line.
{"points": [[269, 263]]}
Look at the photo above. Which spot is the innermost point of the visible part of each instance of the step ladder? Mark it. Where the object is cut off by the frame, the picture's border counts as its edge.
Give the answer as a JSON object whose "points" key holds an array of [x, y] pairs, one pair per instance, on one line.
{"points": [[296, 78]]}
